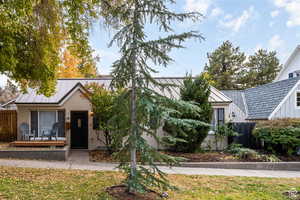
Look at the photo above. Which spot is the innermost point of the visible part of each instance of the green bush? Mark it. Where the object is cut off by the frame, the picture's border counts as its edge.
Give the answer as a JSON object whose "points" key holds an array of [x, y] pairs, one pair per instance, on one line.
{"points": [[189, 138], [279, 136], [250, 154]]}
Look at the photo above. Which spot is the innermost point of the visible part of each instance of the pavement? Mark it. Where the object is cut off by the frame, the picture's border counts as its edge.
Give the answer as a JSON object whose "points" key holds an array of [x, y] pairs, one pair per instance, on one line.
{"points": [[79, 160]]}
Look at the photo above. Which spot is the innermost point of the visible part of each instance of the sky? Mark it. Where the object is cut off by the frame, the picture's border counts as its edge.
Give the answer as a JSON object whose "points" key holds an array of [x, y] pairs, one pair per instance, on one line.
{"points": [[249, 24]]}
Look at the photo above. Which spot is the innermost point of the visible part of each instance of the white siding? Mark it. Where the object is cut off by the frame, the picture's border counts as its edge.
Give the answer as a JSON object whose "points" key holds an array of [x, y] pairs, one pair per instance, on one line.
{"points": [[240, 116], [288, 109], [292, 65]]}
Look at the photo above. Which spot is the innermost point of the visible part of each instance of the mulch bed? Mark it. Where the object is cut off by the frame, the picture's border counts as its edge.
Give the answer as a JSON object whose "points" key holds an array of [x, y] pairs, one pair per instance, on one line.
{"points": [[101, 156], [290, 158], [104, 156], [205, 156], [119, 192]]}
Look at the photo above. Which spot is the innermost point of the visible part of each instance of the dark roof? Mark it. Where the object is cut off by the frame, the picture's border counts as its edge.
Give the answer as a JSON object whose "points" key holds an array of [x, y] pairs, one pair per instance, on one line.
{"points": [[262, 100], [237, 97]]}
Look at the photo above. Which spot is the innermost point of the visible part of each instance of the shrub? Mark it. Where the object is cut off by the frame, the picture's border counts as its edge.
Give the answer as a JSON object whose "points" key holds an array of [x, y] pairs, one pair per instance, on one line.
{"points": [[250, 154], [223, 131], [189, 139], [279, 136]]}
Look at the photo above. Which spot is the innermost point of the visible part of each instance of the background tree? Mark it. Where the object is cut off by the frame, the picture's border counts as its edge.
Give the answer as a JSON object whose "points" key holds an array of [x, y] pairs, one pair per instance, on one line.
{"points": [[148, 109], [33, 33], [224, 64], [9, 92], [196, 90], [261, 68], [72, 67]]}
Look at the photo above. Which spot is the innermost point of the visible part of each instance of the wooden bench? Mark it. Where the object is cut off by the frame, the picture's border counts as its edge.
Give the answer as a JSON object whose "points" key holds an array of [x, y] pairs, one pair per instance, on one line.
{"points": [[38, 143]]}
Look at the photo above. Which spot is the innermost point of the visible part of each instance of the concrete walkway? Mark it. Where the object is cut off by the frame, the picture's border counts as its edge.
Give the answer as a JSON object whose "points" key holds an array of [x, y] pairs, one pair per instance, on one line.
{"points": [[79, 160]]}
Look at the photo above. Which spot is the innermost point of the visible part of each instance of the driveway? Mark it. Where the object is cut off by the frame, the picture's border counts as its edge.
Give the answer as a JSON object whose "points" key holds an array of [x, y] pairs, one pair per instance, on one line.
{"points": [[78, 160]]}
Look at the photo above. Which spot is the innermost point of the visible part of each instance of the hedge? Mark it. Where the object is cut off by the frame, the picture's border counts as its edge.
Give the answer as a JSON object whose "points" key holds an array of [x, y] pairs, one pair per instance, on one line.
{"points": [[279, 136]]}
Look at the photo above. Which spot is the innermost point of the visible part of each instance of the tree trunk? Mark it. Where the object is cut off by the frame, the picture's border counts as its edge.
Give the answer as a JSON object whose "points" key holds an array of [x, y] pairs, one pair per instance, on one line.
{"points": [[134, 123], [133, 131]]}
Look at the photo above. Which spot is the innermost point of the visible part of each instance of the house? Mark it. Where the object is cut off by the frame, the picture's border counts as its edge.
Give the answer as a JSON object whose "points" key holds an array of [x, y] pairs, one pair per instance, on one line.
{"points": [[280, 99], [9, 105], [71, 106], [291, 68]]}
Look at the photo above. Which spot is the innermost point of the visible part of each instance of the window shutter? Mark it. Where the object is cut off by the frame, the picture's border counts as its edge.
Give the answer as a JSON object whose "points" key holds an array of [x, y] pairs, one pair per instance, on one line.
{"points": [[34, 122], [96, 122], [61, 120]]}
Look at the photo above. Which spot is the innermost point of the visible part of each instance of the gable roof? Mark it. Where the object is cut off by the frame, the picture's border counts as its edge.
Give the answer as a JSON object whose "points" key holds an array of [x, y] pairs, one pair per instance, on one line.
{"points": [[237, 96], [63, 91], [261, 101], [65, 87], [8, 102], [288, 61]]}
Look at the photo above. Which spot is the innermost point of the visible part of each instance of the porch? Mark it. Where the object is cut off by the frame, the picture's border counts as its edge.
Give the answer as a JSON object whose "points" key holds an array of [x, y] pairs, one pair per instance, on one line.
{"points": [[37, 150]]}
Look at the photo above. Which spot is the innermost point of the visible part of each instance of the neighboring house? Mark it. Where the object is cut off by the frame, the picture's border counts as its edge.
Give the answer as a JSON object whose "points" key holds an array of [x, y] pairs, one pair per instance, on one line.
{"points": [[291, 68], [10, 105], [275, 100], [71, 106]]}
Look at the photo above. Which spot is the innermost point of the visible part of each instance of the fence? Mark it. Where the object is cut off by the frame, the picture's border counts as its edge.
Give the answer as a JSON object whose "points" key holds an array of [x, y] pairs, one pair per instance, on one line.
{"points": [[8, 125], [245, 134]]}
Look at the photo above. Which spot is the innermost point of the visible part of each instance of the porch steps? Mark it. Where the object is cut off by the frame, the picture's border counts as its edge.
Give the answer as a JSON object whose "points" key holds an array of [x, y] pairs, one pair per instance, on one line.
{"points": [[38, 143]]}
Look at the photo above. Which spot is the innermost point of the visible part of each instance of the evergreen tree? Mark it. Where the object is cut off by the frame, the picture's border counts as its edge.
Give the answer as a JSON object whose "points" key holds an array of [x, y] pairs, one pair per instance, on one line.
{"points": [[261, 68], [193, 90], [142, 109], [223, 66]]}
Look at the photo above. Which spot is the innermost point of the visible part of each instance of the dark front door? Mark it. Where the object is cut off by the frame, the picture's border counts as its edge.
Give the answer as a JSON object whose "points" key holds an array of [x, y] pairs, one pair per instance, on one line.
{"points": [[79, 129]]}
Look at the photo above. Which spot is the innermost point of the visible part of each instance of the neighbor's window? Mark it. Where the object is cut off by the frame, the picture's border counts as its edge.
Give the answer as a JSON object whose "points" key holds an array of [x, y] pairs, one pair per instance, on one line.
{"points": [[298, 99], [218, 117], [291, 75]]}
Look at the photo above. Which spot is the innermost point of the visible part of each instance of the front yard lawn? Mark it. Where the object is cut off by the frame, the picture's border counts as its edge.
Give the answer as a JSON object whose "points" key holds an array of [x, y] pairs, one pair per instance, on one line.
{"points": [[21, 183]]}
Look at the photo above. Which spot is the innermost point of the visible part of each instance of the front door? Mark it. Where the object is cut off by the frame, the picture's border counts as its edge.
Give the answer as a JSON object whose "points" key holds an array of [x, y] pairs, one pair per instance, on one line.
{"points": [[79, 129]]}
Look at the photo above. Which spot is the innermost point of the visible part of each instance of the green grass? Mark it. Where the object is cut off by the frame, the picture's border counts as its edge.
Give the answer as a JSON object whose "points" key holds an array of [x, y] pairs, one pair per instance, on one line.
{"points": [[21, 183]]}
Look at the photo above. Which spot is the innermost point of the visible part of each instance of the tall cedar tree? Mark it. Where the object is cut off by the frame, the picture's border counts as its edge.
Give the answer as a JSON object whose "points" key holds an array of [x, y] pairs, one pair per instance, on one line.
{"points": [[33, 33], [193, 90], [142, 109], [261, 68], [224, 65]]}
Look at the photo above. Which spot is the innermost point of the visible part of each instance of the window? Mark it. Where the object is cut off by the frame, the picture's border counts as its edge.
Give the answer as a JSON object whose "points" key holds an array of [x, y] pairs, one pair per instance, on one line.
{"points": [[46, 121], [218, 117], [42, 122], [298, 99], [291, 75]]}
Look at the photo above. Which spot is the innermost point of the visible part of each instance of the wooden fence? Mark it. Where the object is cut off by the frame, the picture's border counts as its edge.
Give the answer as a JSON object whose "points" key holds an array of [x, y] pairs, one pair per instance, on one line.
{"points": [[8, 125]]}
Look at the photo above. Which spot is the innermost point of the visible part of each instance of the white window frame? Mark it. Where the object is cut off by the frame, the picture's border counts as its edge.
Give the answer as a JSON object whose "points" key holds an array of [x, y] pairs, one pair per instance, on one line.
{"points": [[38, 122]]}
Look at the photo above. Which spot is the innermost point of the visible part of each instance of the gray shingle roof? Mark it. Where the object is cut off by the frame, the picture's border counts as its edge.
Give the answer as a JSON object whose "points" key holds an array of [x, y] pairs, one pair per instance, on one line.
{"points": [[237, 97], [261, 101], [64, 86]]}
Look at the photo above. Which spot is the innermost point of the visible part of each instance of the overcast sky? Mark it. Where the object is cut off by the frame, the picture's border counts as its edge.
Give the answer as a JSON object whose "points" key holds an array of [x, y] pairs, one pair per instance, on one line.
{"points": [[249, 24]]}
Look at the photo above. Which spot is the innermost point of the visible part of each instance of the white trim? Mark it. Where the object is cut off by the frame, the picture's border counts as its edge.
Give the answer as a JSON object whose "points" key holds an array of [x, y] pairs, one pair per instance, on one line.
{"points": [[29, 119], [79, 87], [38, 123], [284, 99], [287, 63]]}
